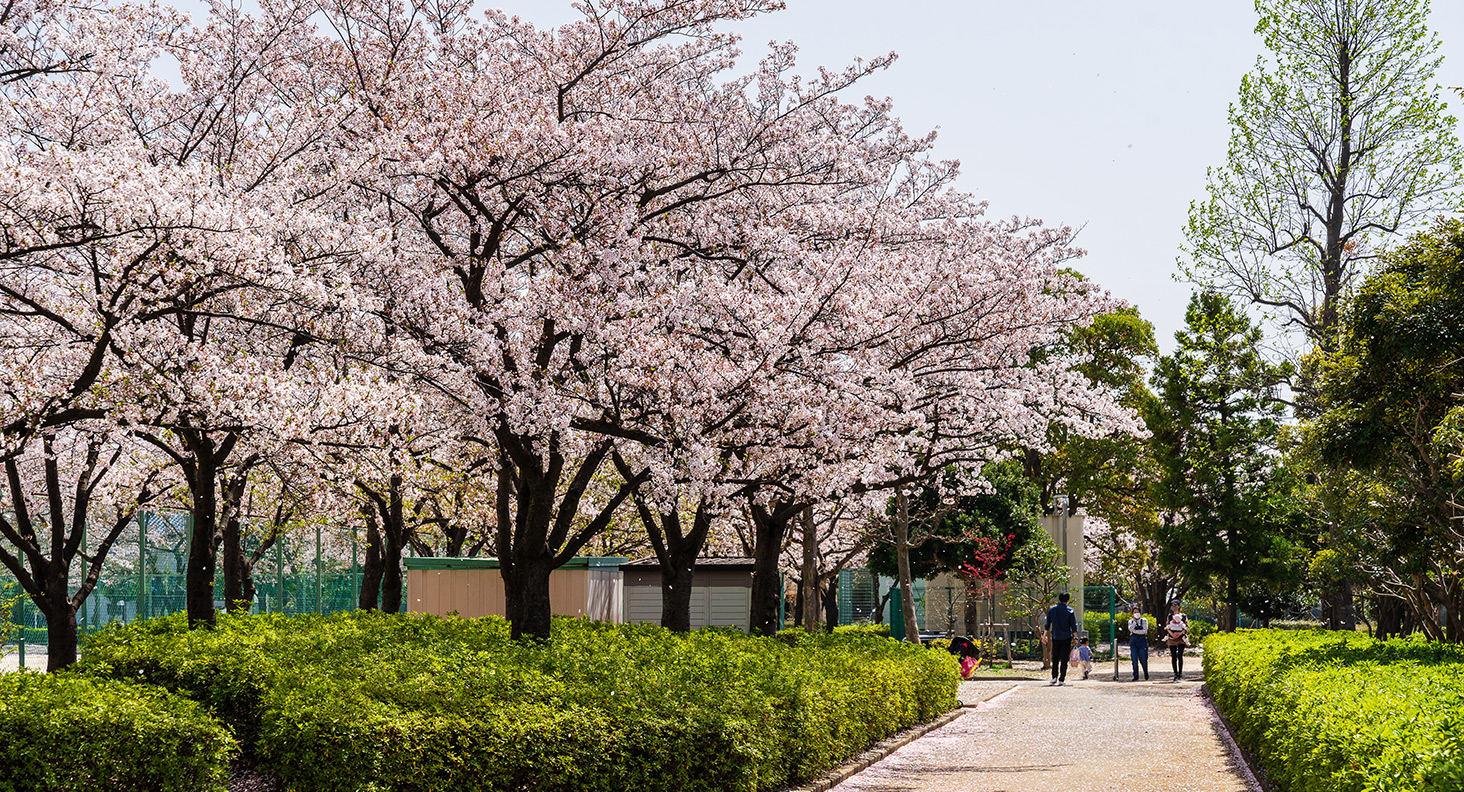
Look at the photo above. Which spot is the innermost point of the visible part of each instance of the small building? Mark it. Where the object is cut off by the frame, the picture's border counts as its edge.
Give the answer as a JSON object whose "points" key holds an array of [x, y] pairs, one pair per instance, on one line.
{"points": [[721, 592], [473, 587]]}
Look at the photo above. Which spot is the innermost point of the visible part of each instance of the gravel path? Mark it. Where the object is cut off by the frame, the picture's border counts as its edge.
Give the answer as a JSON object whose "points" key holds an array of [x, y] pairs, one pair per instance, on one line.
{"points": [[1088, 736], [972, 693]]}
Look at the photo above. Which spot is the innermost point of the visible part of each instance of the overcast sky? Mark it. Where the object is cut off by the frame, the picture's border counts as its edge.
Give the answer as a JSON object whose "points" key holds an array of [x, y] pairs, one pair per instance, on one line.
{"points": [[1091, 114]]}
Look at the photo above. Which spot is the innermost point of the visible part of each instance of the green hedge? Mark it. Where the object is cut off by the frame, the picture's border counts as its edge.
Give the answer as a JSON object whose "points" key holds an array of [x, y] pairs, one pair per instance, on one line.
{"points": [[62, 733], [1335, 712], [371, 701]]}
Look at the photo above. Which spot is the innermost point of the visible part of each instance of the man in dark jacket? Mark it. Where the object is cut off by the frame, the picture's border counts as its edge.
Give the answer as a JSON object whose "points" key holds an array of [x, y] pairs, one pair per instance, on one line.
{"points": [[1062, 625]]}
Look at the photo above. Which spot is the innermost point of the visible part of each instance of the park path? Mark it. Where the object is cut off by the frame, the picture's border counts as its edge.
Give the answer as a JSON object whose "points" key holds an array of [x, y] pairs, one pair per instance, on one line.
{"points": [[1091, 735]]}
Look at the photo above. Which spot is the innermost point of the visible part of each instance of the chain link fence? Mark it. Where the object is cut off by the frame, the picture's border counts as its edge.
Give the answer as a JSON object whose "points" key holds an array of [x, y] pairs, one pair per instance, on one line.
{"points": [[305, 570]]}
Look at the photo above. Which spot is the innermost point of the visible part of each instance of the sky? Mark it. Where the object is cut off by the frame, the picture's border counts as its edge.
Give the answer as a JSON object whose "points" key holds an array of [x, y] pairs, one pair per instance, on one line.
{"points": [[1100, 116]]}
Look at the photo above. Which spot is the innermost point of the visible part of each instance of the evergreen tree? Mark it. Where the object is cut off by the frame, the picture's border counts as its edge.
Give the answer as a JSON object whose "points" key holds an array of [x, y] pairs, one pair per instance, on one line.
{"points": [[1215, 428]]}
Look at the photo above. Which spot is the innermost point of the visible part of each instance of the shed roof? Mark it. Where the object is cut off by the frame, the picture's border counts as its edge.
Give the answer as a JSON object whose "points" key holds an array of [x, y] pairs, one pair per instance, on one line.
{"points": [[728, 562], [410, 562]]}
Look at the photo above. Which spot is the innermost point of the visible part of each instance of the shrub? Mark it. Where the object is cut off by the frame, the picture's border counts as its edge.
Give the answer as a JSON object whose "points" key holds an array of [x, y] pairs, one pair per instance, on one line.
{"points": [[1296, 624], [356, 701], [866, 629], [60, 732], [1338, 712], [1199, 630]]}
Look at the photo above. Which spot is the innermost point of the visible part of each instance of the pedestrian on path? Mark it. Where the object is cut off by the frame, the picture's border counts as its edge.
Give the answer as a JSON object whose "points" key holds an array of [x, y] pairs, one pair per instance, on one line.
{"points": [[1175, 632], [1062, 624], [1085, 657], [1139, 642]]}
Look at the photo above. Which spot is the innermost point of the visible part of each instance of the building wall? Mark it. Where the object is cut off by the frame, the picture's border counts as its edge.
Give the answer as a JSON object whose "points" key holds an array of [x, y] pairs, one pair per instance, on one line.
{"points": [[1072, 553], [711, 605], [591, 593]]}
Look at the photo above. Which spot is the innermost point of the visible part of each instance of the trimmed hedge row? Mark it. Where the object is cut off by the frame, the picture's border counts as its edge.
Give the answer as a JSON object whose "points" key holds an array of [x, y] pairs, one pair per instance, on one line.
{"points": [[370, 701], [60, 733], [1335, 712]]}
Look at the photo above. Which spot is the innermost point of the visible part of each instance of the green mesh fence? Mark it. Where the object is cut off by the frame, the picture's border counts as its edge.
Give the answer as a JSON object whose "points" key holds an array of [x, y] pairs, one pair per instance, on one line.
{"points": [[289, 577]]}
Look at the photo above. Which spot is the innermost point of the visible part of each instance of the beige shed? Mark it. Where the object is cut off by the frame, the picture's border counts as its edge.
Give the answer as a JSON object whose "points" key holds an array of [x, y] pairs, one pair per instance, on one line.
{"points": [[472, 587], [721, 592]]}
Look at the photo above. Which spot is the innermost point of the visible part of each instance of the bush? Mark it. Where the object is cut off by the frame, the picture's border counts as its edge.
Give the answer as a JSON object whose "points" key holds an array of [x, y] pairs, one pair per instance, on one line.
{"points": [[355, 701], [864, 629], [1339, 712], [1199, 630], [1296, 624], [59, 732]]}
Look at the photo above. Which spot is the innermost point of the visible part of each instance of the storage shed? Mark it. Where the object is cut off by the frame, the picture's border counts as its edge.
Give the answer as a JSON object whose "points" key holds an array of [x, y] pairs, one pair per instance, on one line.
{"points": [[721, 592], [472, 587]]}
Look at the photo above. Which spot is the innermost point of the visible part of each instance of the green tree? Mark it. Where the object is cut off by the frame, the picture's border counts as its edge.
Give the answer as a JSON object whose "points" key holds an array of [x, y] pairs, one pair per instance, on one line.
{"points": [[1338, 139], [1009, 507], [1037, 575], [1391, 419], [1107, 476], [1215, 430]]}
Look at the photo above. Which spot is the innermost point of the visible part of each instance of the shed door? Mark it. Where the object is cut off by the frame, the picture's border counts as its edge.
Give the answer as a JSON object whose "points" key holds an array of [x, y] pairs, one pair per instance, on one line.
{"points": [[731, 606], [643, 604]]}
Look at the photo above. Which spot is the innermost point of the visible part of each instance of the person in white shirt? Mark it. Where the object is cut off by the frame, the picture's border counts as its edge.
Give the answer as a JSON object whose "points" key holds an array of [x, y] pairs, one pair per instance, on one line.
{"points": [[1139, 642]]}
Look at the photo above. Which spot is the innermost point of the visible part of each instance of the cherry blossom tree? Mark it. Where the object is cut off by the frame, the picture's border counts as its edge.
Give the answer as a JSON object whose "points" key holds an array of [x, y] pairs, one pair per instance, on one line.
{"points": [[81, 475], [594, 250]]}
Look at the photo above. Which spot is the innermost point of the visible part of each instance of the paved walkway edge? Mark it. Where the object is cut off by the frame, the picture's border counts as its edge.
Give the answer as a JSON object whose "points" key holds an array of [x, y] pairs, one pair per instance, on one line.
{"points": [[886, 747], [1242, 757]]}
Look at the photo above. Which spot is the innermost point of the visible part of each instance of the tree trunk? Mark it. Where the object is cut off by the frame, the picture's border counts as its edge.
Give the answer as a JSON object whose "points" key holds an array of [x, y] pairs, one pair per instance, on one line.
{"points": [[394, 526], [199, 580], [386, 538], [61, 634], [1155, 595], [1232, 596], [831, 603], [808, 588], [879, 599], [55, 604], [539, 522], [770, 525], [236, 570], [373, 566], [391, 575], [677, 552], [526, 595], [45, 575], [902, 555], [1336, 602], [676, 583], [238, 582]]}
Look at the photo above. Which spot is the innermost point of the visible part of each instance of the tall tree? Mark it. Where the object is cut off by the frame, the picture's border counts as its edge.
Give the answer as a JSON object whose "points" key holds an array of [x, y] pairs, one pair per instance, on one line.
{"points": [[1214, 437], [1337, 141], [1391, 400]]}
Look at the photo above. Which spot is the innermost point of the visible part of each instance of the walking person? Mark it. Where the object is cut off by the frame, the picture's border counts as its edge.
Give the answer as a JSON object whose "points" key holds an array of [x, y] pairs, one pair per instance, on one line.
{"points": [[1062, 624], [1084, 655], [1175, 632], [1139, 642]]}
